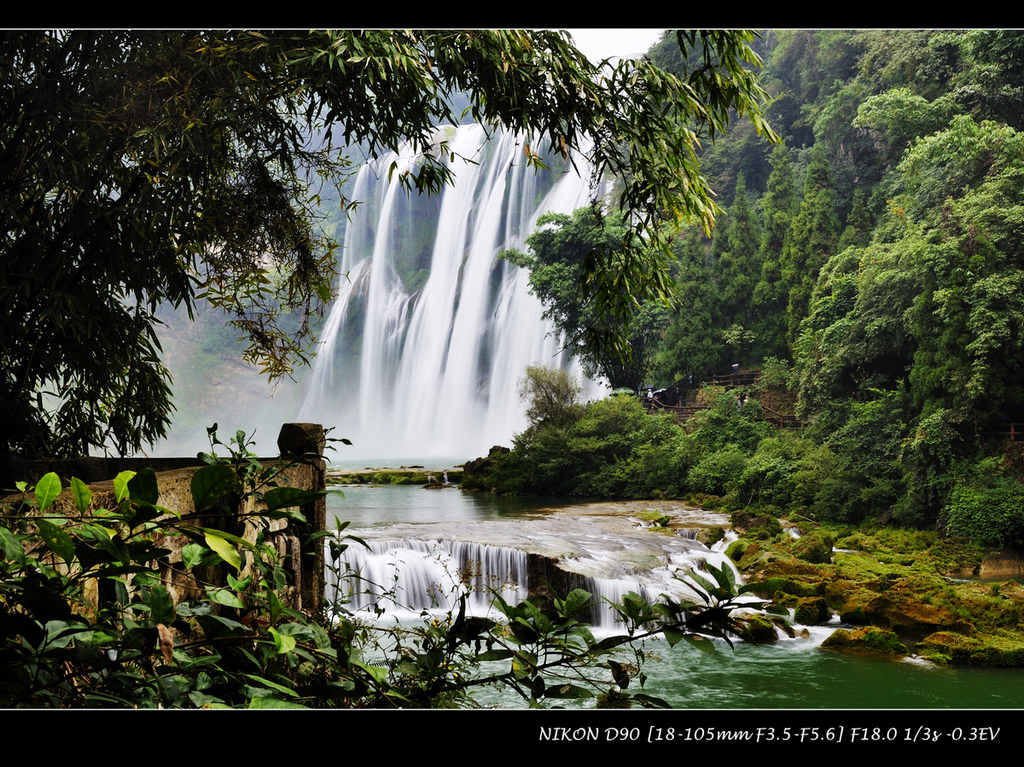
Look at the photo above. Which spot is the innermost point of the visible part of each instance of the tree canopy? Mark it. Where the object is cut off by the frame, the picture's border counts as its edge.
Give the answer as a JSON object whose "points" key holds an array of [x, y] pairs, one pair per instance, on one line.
{"points": [[142, 168]]}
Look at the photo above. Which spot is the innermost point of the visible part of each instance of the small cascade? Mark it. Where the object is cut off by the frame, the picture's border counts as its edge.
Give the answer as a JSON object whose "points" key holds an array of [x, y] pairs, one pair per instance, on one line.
{"points": [[405, 577], [608, 591], [408, 576]]}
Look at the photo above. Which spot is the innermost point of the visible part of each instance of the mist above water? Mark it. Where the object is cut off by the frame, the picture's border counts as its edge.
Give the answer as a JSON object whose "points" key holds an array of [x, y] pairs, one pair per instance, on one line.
{"points": [[422, 352]]}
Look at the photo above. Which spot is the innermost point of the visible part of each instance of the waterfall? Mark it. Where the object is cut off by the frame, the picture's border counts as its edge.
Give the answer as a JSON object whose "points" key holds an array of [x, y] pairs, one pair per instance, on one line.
{"points": [[423, 350], [404, 577], [407, 576]]}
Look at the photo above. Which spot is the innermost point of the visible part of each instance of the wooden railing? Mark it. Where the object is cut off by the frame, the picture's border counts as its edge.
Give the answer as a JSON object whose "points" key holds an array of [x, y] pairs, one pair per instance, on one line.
{"points": [[1013, 433], [732, 379], [686, 411]]}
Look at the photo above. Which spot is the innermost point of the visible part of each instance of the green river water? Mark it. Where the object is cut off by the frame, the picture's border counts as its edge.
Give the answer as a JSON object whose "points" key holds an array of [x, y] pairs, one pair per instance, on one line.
{"points": [[791, 674]]}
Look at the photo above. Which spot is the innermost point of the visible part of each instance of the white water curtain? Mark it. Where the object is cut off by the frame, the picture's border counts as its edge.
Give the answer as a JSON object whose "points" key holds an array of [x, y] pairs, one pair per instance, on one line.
{"points": [[434, 370]]}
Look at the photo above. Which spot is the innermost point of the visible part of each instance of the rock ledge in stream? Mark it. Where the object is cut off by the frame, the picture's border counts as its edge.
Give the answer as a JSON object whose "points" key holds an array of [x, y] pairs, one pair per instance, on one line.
{"points": [[869, 640]]}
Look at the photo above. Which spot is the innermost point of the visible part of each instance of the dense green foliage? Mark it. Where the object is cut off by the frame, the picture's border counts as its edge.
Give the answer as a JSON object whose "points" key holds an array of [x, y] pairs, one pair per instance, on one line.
{"points": [[86, 619], [561, 252], [876, 251], [149, 168]]}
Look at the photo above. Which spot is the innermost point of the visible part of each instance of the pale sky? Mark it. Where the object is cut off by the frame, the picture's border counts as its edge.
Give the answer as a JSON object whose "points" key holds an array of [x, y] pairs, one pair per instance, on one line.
{"points": [[625, 43]]}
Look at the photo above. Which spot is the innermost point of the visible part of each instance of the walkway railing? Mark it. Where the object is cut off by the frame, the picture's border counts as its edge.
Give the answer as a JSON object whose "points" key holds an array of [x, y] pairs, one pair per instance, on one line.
{"points": [[730, 380]]}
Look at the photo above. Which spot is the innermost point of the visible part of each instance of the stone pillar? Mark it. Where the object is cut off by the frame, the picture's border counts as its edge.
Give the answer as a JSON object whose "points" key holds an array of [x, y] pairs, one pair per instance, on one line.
{"points": [[305, 443]]}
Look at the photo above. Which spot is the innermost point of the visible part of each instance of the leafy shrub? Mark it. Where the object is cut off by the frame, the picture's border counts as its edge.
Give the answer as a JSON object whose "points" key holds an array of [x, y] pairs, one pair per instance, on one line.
{"points": [[726, 423], [775, 374], [768, 477], [551, 394], [987, 507], [612, 448], [717, 472]]}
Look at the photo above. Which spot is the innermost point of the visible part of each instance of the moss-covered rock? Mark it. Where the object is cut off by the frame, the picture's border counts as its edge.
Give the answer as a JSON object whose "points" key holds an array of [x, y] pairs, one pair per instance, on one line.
{"points": [[811, 611], [893, 580], [913, 607], [736, 549], [756, 629], [403, 476], [479, 474], [755, 524], [869, 640], [815, 547], [980, 650], [769, 587], [709, 536], [782, 624]]}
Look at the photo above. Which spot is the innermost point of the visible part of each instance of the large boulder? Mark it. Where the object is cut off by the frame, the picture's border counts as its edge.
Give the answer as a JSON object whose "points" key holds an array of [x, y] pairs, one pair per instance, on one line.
{"points": [[868, 640], [756, 629], [903, 609], [814, 547], [812, 611], [961, 650]]}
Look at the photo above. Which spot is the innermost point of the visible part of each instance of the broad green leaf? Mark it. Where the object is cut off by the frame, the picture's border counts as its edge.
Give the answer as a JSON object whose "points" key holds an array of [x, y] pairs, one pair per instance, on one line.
{"points": [[273, 685], [47, 490], [283, 642], [201, 700], [224, 550], [143, 486], [673, 636], [82, 494], [275, 605], [93, 637], [378, 673], [568, 691], [121, 481], [701, 643], [609, 642], [282, 497], [651, 701], [225, 597], [270, 702], [236, 539], [12, 548], [57, 540], [192, 555], [575, 601], [161, 605], [214, 484], [216, 625]]}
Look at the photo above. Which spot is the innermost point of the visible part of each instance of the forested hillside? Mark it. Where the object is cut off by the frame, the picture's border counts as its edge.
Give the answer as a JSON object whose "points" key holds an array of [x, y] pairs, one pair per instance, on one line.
{"points": [[871, 260]]}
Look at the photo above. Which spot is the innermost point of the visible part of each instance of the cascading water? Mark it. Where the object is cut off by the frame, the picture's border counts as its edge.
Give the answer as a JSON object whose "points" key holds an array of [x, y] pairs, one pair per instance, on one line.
{"points": [[404, 577], [407, 576], [424, 348]]}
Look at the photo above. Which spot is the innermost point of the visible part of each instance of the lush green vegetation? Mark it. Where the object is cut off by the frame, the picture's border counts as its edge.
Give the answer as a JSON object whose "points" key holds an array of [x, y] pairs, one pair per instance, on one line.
{"points": [[86, 620], [871, 261], [152, 168]]}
